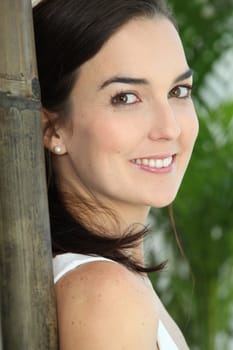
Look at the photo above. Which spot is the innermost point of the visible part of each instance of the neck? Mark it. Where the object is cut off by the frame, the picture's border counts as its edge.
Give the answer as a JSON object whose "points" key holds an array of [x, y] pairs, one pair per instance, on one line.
{"points": [[107, 217]]}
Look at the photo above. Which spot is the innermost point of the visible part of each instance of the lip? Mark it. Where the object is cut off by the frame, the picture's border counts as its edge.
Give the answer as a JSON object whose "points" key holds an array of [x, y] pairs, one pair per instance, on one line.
{"points": [[162, 170]]}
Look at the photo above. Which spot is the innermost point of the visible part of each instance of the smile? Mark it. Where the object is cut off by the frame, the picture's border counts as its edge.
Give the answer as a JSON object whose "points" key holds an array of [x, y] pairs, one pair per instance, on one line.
{"points": [[154, 163]]}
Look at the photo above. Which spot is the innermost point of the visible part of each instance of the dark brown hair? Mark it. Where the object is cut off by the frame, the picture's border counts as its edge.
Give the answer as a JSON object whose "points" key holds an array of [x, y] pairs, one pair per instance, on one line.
{"points": [[67, 34]]}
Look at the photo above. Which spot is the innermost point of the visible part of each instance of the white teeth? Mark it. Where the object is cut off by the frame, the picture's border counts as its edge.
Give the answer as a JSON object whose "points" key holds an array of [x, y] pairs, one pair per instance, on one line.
{"points": [[154, 163], [167, 161], [145, 162], [159, 163]]}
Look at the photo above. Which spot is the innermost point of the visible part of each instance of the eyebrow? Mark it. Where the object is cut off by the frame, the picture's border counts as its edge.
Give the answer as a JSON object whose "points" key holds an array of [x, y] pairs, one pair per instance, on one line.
{"points": [[184, 76], [140, 81], [124, 80]]}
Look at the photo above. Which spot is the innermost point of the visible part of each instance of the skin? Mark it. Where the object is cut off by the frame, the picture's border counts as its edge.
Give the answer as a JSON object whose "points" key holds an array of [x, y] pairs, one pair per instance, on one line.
{"points": [[106, 133]]}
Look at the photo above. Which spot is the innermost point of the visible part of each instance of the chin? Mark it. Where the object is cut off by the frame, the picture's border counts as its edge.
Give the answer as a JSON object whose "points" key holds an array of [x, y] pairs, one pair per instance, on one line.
{"points": [[163, 201]]}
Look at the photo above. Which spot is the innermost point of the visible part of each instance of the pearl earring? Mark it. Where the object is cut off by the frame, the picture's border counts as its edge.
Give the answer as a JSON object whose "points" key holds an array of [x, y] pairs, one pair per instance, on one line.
{"points": [[57, 149]]}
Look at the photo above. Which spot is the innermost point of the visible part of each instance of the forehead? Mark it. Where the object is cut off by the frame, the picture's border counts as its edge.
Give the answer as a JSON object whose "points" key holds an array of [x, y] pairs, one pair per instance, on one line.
{"points": [[141, 47]]}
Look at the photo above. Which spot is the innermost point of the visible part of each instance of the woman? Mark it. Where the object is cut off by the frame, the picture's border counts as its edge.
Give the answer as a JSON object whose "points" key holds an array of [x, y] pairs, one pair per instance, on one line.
{"points": [[119, 129]]}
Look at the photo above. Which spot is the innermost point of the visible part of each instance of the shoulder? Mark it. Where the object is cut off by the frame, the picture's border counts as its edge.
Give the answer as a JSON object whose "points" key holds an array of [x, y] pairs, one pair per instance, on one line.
{"points": [[100, 303]]}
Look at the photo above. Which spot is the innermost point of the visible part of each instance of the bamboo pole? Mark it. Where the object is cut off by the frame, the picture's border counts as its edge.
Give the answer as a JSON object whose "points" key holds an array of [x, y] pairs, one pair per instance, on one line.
{"points": [[27, 293], [0, 333]]}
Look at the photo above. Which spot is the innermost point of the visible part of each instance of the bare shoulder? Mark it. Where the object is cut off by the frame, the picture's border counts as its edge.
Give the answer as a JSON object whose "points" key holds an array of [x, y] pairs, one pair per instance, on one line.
{"points": [[103, 305]]}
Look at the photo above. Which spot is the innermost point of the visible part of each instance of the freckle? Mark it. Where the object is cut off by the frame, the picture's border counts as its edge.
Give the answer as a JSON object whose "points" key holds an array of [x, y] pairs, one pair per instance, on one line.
{"points": [[72, 323], [83, 278], [82, 324]]}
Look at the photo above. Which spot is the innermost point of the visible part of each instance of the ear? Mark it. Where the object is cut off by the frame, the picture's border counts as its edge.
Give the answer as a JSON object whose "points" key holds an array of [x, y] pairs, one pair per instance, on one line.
{"points": [[53, 137]]}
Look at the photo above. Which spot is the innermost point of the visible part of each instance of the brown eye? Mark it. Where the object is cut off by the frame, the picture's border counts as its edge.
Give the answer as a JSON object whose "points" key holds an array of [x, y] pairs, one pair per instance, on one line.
{"points": [[124, 99], [180, 92]]}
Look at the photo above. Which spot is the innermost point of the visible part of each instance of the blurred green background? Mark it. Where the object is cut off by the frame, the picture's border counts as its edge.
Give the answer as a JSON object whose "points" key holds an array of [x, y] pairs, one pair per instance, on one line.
{"points": [[203, 307]]}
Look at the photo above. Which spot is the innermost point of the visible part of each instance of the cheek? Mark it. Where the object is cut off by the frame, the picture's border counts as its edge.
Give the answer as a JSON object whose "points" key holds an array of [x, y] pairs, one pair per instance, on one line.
{"points": [[190, 127], [193, 128], [115, 135]]}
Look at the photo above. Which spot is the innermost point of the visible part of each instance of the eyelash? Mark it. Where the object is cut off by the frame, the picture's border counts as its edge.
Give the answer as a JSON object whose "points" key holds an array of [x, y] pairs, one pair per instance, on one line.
{"points": [[121, 99], [188, 91]]}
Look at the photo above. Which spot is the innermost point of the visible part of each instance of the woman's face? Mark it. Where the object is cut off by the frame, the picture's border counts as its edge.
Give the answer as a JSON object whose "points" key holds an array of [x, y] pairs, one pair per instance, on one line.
{"points": [[133, 120]]}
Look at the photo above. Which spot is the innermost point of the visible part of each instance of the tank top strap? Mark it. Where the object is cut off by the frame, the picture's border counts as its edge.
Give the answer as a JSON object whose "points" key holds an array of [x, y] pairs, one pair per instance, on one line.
{"points": [[165, 341], [64, 263]]}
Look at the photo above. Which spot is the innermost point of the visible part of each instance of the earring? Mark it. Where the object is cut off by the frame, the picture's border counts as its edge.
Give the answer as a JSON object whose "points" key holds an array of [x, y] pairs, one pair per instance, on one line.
{"points": [[57, 149]]}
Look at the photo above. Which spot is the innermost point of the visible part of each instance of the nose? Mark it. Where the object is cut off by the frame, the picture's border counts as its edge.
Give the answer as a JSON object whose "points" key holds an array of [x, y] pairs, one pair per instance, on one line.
{"points": [[165, 124]]}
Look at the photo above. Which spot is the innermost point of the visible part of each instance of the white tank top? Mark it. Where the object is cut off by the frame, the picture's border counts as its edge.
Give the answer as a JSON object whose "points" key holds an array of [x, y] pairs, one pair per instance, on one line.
{"points": [[66, 262]]}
